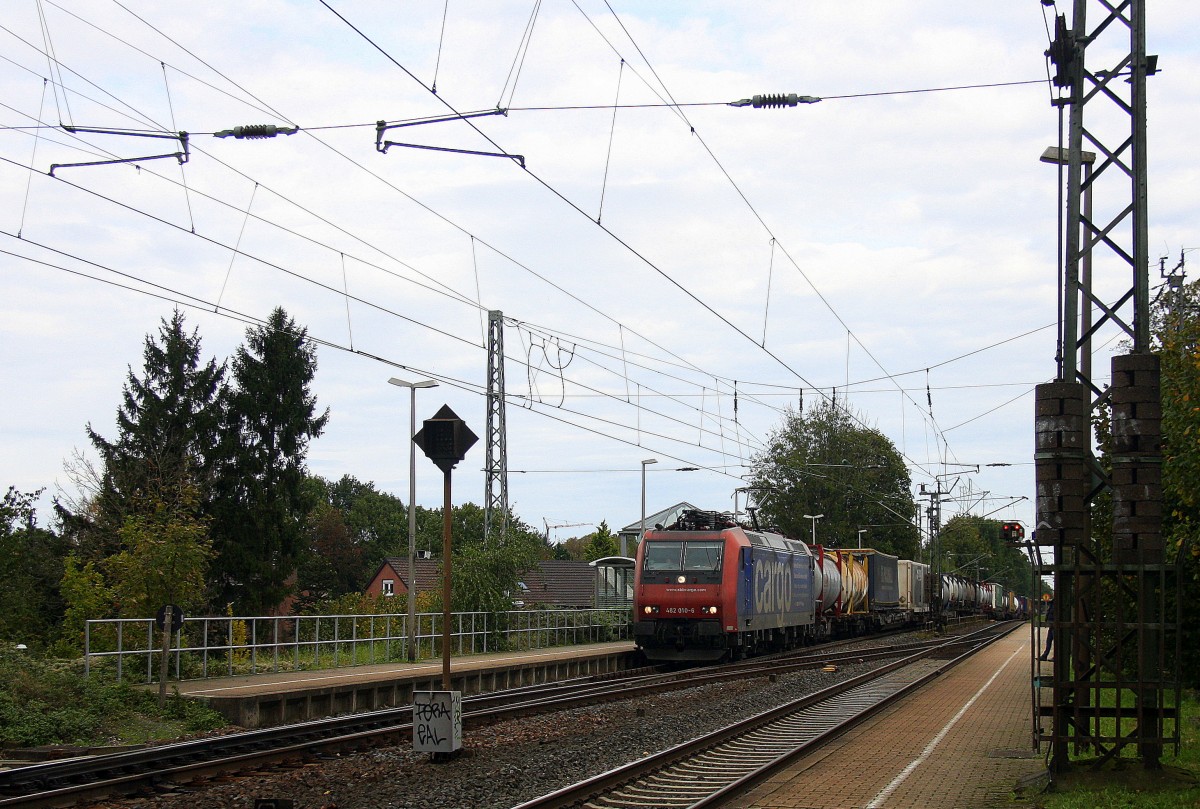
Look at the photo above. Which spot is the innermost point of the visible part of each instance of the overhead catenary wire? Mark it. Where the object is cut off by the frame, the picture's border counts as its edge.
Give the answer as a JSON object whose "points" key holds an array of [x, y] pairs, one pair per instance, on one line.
{"points": [[133, 47], [190, 301], [235, 251], [346, 288], [761, 221], [847, 96], [290, 231], [32, 162], [233, 254], [54, 67], [477, 299], [613, 234], [612, 133], [441, 43], [622, 327], [182, 171], [514, 71]]}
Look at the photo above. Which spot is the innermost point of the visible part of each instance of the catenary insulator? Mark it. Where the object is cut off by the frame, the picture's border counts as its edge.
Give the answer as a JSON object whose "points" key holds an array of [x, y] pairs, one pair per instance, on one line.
{"points": [[256, 131], [770, 100], [775, 100]]}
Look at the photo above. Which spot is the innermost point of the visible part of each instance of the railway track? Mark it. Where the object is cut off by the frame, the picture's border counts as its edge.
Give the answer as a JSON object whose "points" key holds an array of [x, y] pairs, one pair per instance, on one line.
{"points": [[706, 770], [62, 783]]}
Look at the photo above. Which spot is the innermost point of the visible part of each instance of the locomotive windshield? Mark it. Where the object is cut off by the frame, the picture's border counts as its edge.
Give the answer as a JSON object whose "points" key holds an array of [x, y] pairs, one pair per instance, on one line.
{"points": [[696, 556], [704, 556]]}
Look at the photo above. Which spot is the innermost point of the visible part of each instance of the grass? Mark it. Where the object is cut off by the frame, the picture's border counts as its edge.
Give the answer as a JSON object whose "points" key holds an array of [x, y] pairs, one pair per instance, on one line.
{"points": [[1125, 785], [46, 702]]}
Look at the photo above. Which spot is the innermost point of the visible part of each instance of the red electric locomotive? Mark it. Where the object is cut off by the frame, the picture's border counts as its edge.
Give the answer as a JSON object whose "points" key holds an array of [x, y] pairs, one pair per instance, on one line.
{"points": [[707, 588]]}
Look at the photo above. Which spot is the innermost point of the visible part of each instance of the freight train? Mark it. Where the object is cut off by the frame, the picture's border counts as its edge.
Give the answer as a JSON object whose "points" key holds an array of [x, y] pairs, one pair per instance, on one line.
{"points": [[707, 588]]}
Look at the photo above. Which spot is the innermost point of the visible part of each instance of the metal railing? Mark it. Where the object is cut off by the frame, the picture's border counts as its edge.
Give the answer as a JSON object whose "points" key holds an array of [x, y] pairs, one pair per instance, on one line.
{"points": [[218, 647]]}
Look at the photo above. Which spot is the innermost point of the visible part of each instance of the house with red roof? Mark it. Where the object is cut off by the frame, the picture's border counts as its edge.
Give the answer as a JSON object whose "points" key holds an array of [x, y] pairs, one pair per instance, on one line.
{"points": [[392, 577]]}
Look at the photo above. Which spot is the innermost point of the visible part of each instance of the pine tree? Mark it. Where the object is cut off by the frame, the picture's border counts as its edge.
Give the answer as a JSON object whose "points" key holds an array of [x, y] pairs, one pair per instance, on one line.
{"points": [[601, 544], [262, 505], [31, 565], [167, 427]]}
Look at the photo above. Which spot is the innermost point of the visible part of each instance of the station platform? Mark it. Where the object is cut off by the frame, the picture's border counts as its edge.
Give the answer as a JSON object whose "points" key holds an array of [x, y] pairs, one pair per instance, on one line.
{"points": [[261, 700], [963, 741]]}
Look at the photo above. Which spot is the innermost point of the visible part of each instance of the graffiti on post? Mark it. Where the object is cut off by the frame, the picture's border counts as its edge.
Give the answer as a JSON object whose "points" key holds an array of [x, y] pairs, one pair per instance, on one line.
{"points": [[437, 721]]}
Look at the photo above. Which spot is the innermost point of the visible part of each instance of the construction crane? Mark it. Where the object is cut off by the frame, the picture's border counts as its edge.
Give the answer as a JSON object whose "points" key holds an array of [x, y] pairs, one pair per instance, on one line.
{"points": [[550, 525]]}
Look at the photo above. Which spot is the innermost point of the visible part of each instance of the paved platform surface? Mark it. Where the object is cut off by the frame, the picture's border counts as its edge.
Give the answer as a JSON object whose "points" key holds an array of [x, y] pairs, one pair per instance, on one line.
{"points": [[285, 681], [961, 742]]}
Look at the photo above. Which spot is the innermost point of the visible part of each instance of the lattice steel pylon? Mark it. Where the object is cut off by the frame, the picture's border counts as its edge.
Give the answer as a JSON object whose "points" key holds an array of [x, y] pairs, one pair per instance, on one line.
{"points": [[495, 494], [1115, 681]]}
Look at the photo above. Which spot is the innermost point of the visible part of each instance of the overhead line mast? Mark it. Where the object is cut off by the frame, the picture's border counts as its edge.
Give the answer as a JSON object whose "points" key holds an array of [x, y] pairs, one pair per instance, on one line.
{"points": [[1112, 672], [495, 497]]}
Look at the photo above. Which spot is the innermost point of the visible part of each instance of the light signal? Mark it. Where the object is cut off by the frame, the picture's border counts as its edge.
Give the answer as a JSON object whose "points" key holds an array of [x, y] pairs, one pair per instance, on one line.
{"points": [[1012, 531]]}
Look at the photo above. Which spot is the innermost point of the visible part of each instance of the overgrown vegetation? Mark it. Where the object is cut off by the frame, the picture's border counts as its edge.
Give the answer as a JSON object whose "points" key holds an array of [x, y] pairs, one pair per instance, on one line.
{"points": [[1129, 787], [42, 703], [1176, 333]]}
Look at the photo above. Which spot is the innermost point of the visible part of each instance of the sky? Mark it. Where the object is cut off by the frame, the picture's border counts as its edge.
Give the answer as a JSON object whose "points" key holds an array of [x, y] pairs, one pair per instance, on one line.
{"points": [[673, 271]]}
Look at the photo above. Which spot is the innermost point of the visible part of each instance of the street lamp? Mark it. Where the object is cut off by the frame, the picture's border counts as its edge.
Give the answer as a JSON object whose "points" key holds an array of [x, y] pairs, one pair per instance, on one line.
{"points": [[861, 531], [1058, 156], [814, 518], [645, 463], [412, 507]]}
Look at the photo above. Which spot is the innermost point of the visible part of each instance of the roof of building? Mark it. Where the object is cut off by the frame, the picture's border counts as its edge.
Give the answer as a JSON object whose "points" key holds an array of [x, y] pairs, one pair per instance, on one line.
{"points": [[664, 517], [428, 572], [614, 561], [560, 583]]}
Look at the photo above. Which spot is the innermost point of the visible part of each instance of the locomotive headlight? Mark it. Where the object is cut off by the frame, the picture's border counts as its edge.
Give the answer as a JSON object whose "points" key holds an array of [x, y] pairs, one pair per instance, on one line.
{"points": [[711, 610], [649, 610], [681, 579]]}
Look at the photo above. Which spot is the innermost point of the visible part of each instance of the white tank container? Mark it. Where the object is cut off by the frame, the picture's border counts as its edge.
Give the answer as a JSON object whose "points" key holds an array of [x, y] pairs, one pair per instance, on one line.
{"points": [[828, 584]]}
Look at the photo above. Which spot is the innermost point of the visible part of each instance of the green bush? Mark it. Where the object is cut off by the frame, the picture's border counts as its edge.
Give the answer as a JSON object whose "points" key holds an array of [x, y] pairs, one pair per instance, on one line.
{"points": [[45, 703]]}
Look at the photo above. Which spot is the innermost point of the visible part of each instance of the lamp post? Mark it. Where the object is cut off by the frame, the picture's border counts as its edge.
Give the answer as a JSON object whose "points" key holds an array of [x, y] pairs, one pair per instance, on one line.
{"points": [[645, 463], [412, 507], [861, 531], [1059, 156], [814, 518]]}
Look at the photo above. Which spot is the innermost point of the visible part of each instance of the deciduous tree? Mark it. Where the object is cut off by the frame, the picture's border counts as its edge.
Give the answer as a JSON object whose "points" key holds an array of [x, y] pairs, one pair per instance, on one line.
{"points": [[825, 461], [165, 554], [1176, 336]]}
